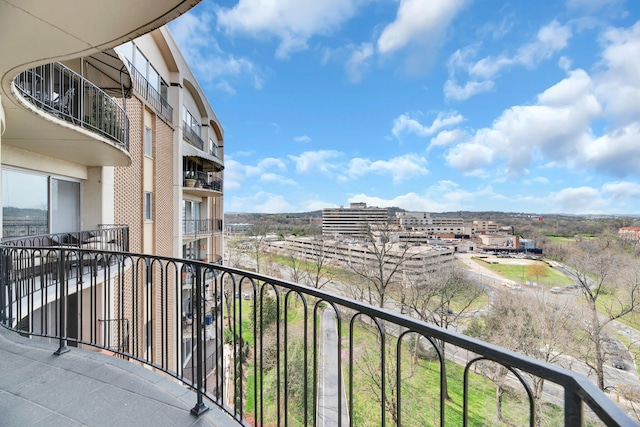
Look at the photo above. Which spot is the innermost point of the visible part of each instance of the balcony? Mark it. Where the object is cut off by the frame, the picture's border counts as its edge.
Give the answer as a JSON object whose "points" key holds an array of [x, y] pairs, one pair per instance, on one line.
{"points": [[72, 118], [288, 348], [150, 94], [198, 228], [202, 183]]}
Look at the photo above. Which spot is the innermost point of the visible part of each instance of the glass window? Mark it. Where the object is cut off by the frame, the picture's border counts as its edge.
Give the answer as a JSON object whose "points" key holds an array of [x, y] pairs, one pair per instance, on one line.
{"points": [[164, 89], [154, 78], [25, 203], [148, 206], [139, 61], [213, 148], [38, 204], [148, 144]]}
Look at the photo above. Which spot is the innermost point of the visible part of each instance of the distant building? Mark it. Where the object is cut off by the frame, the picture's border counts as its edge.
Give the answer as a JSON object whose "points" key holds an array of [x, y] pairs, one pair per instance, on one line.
{"points": [[485, 227], [423, 222], [629, 233], [352, 222]]}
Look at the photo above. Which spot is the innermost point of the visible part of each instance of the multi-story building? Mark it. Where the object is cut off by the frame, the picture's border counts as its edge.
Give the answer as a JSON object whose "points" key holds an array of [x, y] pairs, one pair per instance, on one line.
{"points": [[352, 222], [113, 132], [629, 233], [423, 222]]}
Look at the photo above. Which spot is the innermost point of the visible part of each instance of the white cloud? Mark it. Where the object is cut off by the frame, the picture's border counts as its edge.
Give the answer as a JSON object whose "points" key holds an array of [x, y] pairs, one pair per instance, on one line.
{"points": [[358, 61], [550, 39], [400, 168], [622, 190], [302, 138], [263, 165], [293, 22], [453, 90], [619, 84], [404, 124], [578, 200], [193, 33], [416, 21], [446, 137], [274, 178], [556, 128], [261, 202], [315, 160], [233, 174], [616, 153]]}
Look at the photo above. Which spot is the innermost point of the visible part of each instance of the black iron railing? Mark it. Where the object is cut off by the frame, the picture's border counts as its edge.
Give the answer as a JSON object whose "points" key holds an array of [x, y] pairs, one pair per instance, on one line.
{"points": [[275, 351], [150, 94], [61, 92], [206, 180], [191, 136], [201, 227]]}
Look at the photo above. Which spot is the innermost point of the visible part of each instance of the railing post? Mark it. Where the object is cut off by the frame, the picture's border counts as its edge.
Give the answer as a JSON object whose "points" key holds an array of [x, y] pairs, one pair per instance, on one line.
{"points": [[200, 407], [5, 271], [573, 412], [62, 306]]}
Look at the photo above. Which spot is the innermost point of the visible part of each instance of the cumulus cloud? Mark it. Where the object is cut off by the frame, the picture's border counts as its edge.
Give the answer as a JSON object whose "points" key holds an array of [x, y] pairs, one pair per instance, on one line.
{"points": [[416, 21], [622, 190], [233, 174], [556, 128], [400, 168], [446, 137], [405, 124], [292, 22], [273, 178], [619, 84], [266, 164], [261, 202], [193, 32], [480, 74], [315, 160], [616, 153]]}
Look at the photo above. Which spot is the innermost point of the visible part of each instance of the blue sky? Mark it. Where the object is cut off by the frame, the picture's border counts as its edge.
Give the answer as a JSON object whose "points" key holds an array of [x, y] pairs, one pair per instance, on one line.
{"points": [[439, 105]]}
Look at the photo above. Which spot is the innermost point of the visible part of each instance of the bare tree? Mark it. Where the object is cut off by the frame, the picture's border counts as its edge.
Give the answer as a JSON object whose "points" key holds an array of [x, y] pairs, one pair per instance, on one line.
{"points": [[610, 285], [378, 262], [442, 297], [531, 325], [316, 269], [256, 235]]}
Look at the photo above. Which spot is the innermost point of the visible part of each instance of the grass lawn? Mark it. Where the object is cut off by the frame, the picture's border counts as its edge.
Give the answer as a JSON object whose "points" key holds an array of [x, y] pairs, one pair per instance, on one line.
{"points": [[547, 276]]}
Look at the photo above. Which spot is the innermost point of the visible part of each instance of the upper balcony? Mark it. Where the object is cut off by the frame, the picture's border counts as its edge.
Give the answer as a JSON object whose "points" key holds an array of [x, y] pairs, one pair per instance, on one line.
{"points": [[71, 118], [150, 94], [292, 354]]}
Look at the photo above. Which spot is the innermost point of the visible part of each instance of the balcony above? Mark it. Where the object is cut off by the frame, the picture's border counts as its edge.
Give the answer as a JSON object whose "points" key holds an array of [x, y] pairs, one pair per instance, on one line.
{"points": [[66, 116]]}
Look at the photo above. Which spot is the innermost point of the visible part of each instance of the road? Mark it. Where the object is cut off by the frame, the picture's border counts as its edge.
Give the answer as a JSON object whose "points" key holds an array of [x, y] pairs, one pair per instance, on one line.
{"points": [[331, 393]]}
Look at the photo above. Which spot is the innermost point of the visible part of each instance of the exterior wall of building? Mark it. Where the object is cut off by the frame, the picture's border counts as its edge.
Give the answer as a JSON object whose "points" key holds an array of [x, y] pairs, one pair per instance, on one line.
{"points": [[353, 221]]}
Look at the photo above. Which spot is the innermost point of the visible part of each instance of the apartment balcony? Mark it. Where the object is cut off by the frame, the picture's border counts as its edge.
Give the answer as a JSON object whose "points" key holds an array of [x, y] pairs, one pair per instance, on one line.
{"points": [[150, 94], [203, 184], [292, 355], [69, 118], [199, 228]]}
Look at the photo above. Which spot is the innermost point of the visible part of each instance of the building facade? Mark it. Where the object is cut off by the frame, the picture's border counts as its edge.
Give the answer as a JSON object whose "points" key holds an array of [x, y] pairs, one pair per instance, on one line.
{"points": [[352, 222]]}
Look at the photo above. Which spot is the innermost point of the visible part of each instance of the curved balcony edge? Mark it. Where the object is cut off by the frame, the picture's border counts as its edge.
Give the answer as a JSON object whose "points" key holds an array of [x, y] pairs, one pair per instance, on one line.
{"points": [[194, 334], [58, 92]]}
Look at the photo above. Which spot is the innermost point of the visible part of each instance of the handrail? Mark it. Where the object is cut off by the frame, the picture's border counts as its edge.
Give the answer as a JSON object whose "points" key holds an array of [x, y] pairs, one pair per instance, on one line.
{"points": [[150, 94], [201, 227], [58, 90], [179, 312], [192, 137]]}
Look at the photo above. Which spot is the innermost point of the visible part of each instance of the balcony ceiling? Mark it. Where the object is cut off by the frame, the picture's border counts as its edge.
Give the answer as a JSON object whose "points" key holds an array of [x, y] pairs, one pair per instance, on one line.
{"points": [[34, 32]]}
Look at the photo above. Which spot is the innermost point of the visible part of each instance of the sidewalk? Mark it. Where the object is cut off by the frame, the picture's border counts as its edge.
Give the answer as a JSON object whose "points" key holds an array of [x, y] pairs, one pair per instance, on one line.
{"points": [[85, 388]]}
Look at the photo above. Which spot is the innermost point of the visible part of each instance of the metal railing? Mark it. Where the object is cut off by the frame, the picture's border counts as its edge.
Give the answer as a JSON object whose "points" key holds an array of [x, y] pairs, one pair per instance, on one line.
{"points": [[61, 92], [201, 227], [191, 136], [286, 348], [204, 180], [150, 94]]}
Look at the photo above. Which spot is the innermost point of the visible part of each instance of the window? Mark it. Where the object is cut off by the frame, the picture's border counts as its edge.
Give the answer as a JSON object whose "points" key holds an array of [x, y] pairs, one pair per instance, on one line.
{"points": [[148, 146], [213, 148], [191, 121], [148, 209], [38, 204]]}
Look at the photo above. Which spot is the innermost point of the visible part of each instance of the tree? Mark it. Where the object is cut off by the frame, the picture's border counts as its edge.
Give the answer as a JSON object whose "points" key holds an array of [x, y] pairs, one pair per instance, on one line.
{"points": [[316, 268], [378, 262], [256, 235], [537, 270], [531, 325], [610, 285]]}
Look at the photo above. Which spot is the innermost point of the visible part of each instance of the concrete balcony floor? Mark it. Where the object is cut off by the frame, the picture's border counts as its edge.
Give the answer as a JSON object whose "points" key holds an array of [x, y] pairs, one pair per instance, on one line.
{"points": [[85, 388]]}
